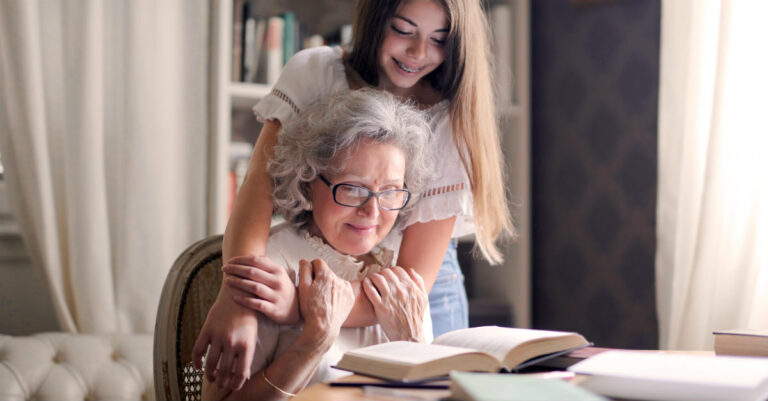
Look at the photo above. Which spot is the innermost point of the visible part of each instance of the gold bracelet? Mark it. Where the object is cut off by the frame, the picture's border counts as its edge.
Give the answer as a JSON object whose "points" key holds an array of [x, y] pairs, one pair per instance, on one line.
{"points": [[264, 375]]}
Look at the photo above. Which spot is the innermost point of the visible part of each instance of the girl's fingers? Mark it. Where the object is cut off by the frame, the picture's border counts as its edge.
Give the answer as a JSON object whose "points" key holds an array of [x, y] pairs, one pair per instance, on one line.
{"points": [[201, 345], [252, 287], [251, 273], [255, 304], [211, 361]]}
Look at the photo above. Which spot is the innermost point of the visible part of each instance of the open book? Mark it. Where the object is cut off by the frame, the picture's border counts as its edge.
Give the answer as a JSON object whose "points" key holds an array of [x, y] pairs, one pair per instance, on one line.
{"points": [[485, 349]]}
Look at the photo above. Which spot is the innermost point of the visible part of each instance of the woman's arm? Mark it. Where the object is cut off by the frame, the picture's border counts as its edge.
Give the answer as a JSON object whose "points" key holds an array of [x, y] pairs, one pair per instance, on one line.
{"points": [[230, 330]]}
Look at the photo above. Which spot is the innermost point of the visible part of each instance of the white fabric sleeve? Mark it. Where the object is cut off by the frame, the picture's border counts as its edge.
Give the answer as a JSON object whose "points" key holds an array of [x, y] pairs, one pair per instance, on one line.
{"points": [[449, 193], [266, 346], [307, 77]]}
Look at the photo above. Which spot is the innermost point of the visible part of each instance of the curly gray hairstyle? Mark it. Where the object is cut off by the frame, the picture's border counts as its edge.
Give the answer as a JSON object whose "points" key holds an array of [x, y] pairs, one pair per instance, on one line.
{"points": [[309, 142]]}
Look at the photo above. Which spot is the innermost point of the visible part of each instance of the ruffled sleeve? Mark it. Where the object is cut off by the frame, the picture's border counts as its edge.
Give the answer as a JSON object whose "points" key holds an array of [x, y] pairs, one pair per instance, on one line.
{"points": [[449, 193], [310, 75]]}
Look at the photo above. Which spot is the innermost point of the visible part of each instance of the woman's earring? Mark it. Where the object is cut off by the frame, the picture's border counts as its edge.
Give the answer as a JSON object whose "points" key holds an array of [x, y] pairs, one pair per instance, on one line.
{"points": [[309, 208]]}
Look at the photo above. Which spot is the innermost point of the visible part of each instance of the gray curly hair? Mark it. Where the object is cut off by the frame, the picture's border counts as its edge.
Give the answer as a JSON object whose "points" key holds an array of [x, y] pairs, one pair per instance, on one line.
{"points": [[309, 142]]}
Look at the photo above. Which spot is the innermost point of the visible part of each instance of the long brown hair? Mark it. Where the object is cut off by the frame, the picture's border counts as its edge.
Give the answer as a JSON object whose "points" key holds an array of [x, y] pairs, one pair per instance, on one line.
{"points": [[464, 77]]}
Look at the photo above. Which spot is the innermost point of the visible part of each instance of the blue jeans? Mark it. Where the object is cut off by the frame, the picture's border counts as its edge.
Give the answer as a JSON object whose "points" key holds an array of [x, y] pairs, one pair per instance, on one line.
{"points": [[448, 298]]}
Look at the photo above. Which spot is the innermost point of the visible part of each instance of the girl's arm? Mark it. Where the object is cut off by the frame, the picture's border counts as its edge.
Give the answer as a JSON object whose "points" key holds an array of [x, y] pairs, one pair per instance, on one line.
{"points": [[230, 330], [248, 226], [422, 249], [326, 301]]}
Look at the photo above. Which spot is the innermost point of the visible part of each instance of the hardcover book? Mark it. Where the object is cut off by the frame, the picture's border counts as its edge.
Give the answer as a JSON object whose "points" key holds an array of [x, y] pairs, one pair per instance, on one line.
{"points": [[484, 349], [745, 342]]}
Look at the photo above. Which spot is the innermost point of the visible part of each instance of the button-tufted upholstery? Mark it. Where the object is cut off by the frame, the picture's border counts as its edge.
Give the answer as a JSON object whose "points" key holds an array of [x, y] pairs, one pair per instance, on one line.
{"points": [[63, 366]]}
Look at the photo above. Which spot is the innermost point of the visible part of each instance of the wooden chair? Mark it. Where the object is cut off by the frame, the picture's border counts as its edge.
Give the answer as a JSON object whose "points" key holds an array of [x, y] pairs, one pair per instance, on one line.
{"points": [[189, 291]]}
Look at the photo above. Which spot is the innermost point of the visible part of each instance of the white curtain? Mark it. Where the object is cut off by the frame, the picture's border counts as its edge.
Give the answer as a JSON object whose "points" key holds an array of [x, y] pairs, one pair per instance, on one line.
{"points": [[712, 221], [103, 130]]}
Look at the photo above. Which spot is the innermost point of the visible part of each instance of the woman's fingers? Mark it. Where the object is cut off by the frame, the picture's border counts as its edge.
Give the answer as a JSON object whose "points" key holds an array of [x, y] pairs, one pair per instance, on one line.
{"points": [[371, 292], [416, 277], [381, 284], [305, 273]]}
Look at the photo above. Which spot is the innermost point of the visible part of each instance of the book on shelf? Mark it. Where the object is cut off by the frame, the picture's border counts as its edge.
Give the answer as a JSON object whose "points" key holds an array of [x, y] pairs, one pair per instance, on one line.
{"points": [[745, 342], [289, 35], [485, 349], [262, 44], [651, 375], [275, 31], [253, 39], [471, 386], [237, 40]]}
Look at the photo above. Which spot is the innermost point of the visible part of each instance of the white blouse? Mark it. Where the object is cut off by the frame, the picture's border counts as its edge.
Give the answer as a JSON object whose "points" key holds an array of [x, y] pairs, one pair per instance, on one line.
{"points": [[286, 247], [315, 73]]}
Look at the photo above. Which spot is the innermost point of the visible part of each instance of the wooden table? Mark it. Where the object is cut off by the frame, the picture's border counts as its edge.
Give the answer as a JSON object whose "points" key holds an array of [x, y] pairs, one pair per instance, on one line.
{"points": [[324, 392]]}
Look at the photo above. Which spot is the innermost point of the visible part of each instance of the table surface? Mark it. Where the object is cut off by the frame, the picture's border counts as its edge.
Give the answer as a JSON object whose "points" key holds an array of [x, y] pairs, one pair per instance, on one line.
{"points": [[324, 392]]}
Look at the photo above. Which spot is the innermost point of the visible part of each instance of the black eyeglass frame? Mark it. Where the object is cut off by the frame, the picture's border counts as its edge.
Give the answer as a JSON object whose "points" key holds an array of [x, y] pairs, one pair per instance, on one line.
{"points": [[371, 194]]}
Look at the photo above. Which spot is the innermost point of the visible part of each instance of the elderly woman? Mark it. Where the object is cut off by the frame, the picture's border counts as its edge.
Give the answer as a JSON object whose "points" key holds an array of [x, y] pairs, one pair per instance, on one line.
{"points": [[343, 172]]}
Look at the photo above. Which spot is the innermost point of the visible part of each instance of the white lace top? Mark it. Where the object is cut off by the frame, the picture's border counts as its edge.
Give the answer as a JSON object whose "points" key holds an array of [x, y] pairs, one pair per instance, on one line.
{"points": [[286, 247], [316, 73]]}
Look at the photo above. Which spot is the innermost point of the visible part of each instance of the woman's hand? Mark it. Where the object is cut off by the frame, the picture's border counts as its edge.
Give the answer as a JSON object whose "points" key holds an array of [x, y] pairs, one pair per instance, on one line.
{"points": [[270, 290], [399, 298], [325, 301]]}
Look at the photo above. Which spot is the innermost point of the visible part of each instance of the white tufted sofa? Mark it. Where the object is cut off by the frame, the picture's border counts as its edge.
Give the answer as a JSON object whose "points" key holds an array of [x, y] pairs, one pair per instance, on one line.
{"points": [[62, 366]]}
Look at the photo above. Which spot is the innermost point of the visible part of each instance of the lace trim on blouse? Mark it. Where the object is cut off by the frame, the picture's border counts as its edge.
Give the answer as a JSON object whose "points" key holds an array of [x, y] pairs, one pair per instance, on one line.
{"points": [[346, 266], [286, 99], [442, 190]]}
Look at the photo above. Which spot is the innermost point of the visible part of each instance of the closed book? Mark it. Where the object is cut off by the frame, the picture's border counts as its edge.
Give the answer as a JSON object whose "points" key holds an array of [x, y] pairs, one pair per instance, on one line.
{"points": [[648, 375], [470, 386], [484, 349], [745, 342]]}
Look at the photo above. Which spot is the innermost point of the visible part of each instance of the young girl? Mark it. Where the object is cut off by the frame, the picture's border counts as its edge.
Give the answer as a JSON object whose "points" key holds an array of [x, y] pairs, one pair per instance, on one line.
{"points": [[433, 52]]}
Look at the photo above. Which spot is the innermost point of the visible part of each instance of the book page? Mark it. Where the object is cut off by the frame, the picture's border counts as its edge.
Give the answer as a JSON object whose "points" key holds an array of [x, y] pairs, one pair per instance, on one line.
{"points": [[494, 340], [403, 352]]}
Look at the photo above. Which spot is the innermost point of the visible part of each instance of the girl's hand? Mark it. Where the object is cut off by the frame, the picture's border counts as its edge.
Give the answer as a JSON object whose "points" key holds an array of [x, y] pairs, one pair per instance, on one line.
{"points": [[399, 299], [270, 290], [325, 301], [229, 336]]}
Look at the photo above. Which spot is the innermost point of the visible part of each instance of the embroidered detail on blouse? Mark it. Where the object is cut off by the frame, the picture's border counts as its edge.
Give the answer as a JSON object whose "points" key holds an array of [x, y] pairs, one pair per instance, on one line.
{"points": [[443, 189], [286, 99], [346, 266]]}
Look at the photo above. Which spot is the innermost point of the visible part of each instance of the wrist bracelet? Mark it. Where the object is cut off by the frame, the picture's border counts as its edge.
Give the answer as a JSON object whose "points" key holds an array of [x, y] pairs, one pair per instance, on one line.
{"points": [[264, 375]]}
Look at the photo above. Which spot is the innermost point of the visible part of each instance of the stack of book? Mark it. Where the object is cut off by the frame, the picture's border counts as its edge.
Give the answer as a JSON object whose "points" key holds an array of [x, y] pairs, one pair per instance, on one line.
{"points": [[262, 44]]}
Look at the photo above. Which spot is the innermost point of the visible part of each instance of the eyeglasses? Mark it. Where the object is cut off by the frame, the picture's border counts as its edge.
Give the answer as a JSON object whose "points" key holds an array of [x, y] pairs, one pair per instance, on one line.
{"points": [[356, 196]]}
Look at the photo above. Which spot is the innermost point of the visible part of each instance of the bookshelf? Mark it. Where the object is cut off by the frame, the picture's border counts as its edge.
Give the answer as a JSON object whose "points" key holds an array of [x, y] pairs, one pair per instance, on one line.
{"points": [[510, 282]]}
